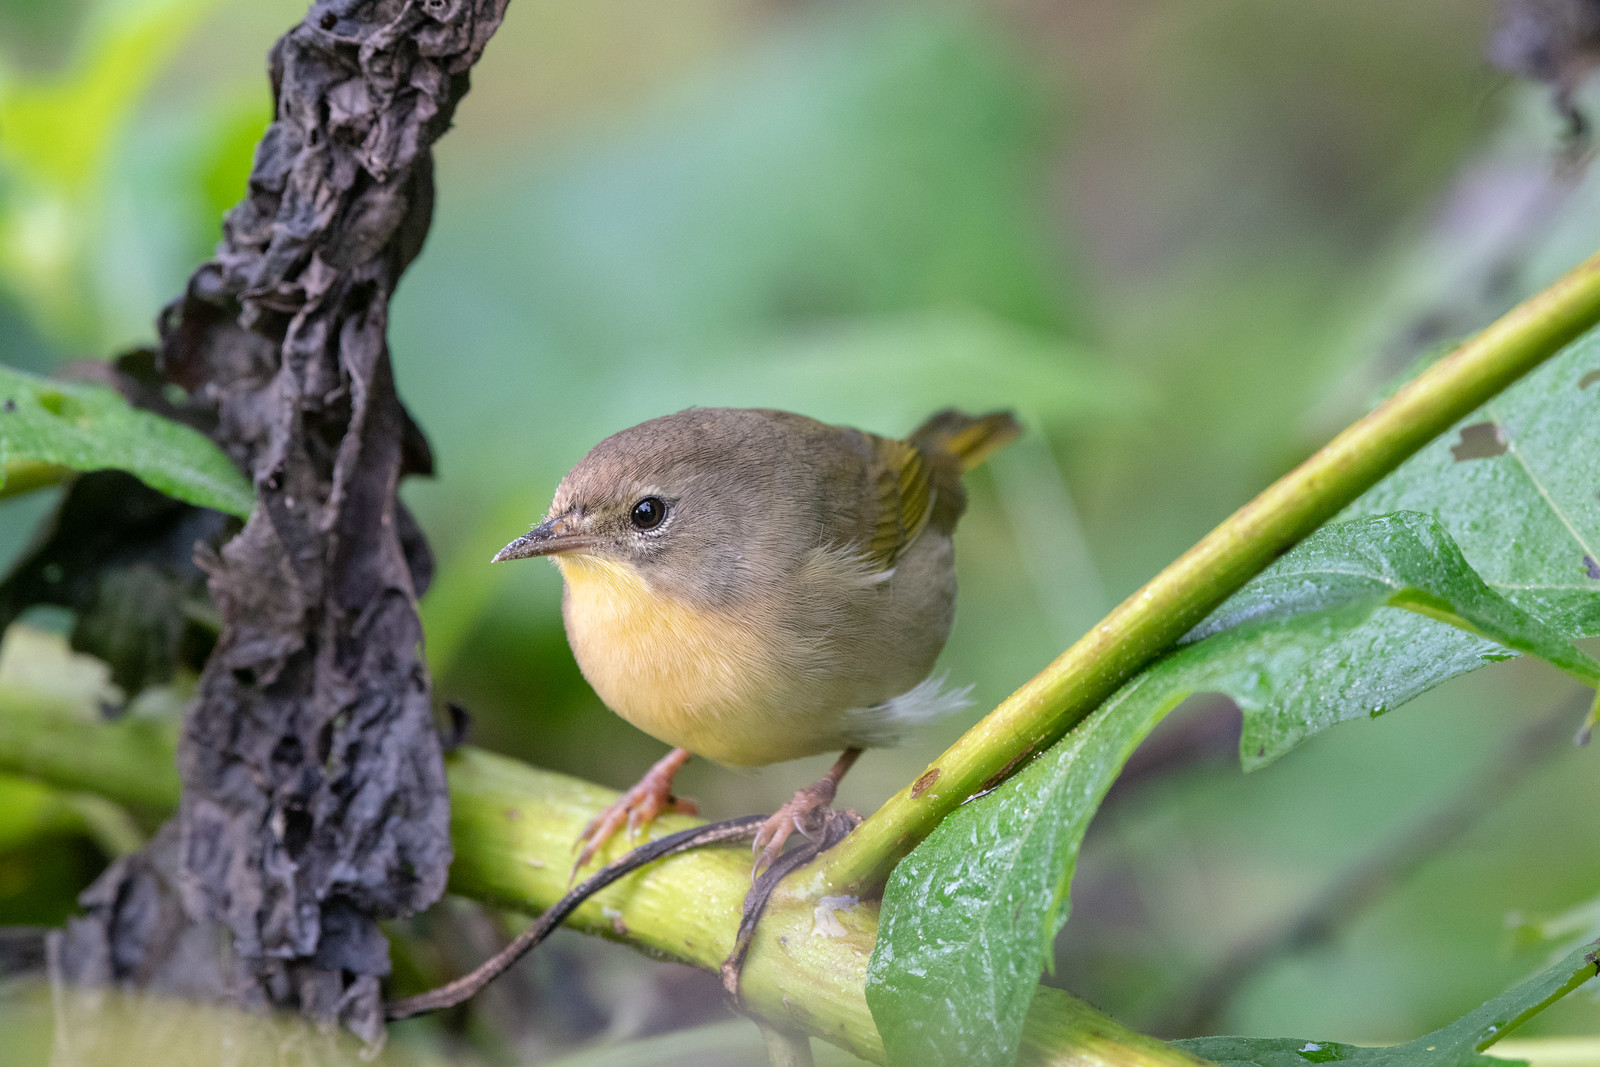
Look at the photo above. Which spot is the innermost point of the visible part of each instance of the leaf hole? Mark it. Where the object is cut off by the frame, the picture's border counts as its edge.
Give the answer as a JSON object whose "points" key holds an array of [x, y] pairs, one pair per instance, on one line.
{"points": [[325, 745], [297, 827], [1481, 440], [288, 751], [1589, 379]]}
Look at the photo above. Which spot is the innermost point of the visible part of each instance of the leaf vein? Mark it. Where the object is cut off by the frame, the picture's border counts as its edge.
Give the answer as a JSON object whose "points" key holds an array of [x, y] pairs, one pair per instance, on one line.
{"points": [[1515, 451]]}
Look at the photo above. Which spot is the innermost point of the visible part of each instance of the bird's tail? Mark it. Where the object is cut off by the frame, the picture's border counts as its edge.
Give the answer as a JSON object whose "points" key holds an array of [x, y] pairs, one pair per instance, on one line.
{"points": [[971, 439]]}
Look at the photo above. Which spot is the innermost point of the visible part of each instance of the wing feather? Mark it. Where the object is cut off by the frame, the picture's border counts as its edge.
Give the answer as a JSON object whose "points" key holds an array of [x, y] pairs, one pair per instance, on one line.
{"points": [[904, 496]]}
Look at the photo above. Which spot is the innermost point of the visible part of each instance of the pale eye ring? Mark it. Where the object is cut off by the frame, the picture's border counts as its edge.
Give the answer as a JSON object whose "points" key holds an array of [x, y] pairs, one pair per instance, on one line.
{"points": [[648, 513]]}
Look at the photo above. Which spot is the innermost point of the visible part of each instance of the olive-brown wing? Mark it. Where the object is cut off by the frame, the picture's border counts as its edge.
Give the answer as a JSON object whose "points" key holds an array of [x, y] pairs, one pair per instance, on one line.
{"points": [[902, 491]]}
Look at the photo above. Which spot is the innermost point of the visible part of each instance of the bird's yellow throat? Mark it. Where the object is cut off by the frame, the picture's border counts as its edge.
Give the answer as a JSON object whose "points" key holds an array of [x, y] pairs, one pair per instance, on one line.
{"points": [[676, 671]]}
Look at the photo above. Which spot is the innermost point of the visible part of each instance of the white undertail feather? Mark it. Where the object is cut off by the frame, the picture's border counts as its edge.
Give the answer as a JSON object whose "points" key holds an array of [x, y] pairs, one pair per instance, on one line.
{"points": [[885, 724]]}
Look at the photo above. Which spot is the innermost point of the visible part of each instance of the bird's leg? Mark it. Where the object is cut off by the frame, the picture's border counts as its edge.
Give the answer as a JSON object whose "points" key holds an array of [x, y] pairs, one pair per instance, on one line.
{"points": [[638, 807], [807, 812]]}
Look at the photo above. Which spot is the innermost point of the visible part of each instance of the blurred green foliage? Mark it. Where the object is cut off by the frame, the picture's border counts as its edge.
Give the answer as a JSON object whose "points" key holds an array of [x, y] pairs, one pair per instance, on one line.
{"points": [[58, 133], [1185, 240]]}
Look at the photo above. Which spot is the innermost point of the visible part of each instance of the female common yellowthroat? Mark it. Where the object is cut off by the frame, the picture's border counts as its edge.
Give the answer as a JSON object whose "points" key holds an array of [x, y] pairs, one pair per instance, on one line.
{"points": [[755, 586]]}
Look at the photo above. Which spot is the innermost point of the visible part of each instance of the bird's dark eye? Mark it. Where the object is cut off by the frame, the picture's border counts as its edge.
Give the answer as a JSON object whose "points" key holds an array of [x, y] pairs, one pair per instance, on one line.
{"points": [[648, 513]]}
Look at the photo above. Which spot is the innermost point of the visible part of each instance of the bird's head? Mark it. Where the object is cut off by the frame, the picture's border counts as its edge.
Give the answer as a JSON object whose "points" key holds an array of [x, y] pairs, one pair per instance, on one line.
{"points": [[686, 502]]}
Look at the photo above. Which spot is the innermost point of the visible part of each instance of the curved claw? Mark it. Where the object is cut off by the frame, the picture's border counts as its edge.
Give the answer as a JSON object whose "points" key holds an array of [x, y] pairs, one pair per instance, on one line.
{"points": [[637, 809], [599, 830], [769, 841], [806, 813]]}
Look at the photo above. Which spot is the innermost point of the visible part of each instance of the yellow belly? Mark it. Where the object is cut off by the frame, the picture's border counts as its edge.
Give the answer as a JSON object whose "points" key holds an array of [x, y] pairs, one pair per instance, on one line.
{"points": [[693, 678]]}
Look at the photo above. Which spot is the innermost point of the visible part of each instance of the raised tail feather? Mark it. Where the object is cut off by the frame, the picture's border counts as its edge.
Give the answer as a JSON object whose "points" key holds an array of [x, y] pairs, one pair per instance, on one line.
{"points": [[971, 439]]}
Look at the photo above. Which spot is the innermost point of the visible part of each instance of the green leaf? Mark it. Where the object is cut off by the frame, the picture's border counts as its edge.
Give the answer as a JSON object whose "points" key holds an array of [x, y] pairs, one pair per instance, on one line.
{"points": [[1460, 1044], [1407, 561], [89, 427], [1514, 484], [1510, 484], [969, 916]]}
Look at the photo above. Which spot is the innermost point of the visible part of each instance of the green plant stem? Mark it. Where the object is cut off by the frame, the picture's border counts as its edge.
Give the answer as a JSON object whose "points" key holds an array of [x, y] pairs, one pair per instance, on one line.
{"points": [[128, 760], [785, 1049], [513, 829], [1154, 618]]}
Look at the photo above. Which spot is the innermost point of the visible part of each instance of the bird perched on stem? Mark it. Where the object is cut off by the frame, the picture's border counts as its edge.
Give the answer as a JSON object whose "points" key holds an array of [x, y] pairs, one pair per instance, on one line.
{"points": [[754, 586]]}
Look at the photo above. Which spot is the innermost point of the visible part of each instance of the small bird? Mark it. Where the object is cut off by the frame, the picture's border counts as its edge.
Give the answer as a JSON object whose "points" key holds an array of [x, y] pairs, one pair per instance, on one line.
{"points": [[755, 586]]}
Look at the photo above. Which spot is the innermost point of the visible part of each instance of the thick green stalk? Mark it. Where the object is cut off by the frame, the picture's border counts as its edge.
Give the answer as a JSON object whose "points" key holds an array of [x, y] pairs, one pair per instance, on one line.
{"points": [[48, 737], [513, 828], [1154, 618]]}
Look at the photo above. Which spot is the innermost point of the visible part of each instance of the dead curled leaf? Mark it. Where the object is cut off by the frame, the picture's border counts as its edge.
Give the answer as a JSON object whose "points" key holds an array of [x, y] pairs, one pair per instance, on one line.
{"points": [[314, 794]]}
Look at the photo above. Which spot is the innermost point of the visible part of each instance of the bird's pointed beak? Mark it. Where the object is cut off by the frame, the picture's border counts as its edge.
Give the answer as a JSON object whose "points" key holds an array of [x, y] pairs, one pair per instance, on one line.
{"points": [[551, 537]]}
